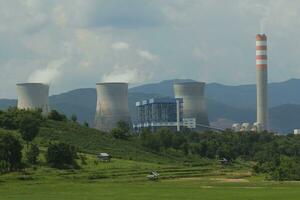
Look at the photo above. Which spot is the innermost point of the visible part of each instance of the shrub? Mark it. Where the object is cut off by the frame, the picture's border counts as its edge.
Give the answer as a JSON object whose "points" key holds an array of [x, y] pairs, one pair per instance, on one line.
{"points": [[74, 118], [56, 116], [10, 152], [29, 128], [61, 155], [32, 154], [4, 167], [118, 133]]}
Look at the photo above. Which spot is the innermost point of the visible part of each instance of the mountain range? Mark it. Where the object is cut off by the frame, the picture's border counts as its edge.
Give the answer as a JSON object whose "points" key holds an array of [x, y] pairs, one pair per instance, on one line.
{"points": [[225, 104]]}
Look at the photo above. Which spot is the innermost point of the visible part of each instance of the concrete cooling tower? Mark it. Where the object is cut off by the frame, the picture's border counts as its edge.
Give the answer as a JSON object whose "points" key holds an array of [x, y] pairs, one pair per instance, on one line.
{"points": [[33, 96], [194, 105], [112, 105]]}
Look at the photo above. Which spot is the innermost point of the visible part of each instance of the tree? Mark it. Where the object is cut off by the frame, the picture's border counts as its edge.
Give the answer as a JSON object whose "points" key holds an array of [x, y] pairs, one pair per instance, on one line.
{"points": [[86, 124], [29, 128], [122, 131], [74, 118], [61, 155], [288, 169], [124, 126], [32, 154], [56, 116], [118, 133], [10, 152]]}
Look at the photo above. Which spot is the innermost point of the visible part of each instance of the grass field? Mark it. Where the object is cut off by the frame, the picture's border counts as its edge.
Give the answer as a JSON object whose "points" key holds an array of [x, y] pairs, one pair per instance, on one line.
{"points": [[167, 189], [125, 179], [181, 177]]}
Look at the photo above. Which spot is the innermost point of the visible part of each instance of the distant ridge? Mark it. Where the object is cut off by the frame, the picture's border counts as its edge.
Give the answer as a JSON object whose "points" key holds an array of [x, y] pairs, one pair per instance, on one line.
{"points": [[225, 104]]}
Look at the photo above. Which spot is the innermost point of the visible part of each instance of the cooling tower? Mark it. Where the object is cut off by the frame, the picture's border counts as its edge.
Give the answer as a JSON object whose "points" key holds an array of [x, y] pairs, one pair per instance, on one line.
{"points": [[194, 106], [262, 81], [112, 105], [33, 96]]}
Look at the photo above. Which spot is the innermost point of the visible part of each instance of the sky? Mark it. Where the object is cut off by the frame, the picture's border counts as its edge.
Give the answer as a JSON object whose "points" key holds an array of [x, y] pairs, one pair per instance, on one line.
{"points": [[72, 44]]}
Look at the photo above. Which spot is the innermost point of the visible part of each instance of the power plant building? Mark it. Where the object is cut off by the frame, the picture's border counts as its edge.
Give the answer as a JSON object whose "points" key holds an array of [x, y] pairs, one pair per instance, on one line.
{"points": [[157, 113], [33, 96], [112, 105], [262, 82], [192, 94]]}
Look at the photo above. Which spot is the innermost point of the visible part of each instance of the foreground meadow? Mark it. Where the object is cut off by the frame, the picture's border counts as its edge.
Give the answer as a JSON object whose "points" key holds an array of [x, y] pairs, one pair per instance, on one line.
{"points": [[125, 179], [167, 189]]}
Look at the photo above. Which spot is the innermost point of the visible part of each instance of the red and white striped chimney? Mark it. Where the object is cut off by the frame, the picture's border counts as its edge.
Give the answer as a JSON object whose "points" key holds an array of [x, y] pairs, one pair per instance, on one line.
{"points": [[262, 81]]}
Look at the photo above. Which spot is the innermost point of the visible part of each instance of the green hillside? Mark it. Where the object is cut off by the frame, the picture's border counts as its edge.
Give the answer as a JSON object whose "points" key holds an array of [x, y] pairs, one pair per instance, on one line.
{"points": [[186, 172], [93, 141]]}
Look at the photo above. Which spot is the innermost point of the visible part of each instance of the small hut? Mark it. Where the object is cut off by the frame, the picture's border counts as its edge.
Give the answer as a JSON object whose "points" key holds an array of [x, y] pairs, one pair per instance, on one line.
{"points": [[224, 161], [104, 157]]}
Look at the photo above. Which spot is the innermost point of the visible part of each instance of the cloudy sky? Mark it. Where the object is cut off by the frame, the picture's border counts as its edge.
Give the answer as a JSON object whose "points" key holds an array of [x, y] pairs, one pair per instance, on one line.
{"points": [[76, 43]]}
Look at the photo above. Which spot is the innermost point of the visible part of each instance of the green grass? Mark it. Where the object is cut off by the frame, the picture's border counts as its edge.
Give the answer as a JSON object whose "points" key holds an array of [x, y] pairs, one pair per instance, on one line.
{"points": [[125, 177], [94, 141], [143, 190]]}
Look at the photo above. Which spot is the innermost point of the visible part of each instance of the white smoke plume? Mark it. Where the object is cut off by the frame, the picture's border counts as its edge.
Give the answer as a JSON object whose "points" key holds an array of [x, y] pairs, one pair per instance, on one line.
{"points": [[120, 46], [51, 73], [264, 10], [124, 74], [147, 55]]}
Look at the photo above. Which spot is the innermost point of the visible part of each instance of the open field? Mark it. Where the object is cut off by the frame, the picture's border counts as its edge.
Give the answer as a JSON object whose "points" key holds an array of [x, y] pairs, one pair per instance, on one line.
{"points": [[167, 189], [124, 179]]}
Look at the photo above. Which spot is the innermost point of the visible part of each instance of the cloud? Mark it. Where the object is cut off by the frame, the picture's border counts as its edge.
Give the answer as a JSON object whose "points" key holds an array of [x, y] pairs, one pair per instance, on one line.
{"points": [[51, 73], [124, 74], [147, 55], [144, 41], [120, 46]]}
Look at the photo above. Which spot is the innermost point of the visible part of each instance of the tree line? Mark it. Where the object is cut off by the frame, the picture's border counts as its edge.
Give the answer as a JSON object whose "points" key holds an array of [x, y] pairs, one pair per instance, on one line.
{"points": [[27, 123]]}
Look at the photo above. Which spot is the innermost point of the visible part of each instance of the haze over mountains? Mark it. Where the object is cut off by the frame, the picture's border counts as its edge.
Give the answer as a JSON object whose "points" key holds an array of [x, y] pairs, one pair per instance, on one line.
{"points": [[225, 104]]}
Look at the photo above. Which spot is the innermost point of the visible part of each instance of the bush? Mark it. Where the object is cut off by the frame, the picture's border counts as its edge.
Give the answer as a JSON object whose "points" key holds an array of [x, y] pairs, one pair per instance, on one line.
{"points": [[4, 167], [119, 134], [29, 128], [61, 156], [288, 169], [86, 124], [122, 131], [32, 154], [56, 116], [12, 117], [74, 118], [10, 152]]}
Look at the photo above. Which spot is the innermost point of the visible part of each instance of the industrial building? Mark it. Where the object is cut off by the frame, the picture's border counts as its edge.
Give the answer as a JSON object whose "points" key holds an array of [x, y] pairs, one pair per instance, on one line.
{"points": [[245, 127], [33, 96], [296, 131], [157, 113], [262, 82], [192, 94], [112, 105], [187, 110]]}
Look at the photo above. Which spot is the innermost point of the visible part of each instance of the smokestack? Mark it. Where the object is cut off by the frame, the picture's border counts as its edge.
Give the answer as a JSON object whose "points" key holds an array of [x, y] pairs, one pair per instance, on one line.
{"points": [[194, 105], [262, 82], [33, 96], [112, 105]]}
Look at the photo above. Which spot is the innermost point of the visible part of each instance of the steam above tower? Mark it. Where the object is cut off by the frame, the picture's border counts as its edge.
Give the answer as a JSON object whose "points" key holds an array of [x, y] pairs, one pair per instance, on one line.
{"points": [[262, 82], [33, 96], [112, 105]]}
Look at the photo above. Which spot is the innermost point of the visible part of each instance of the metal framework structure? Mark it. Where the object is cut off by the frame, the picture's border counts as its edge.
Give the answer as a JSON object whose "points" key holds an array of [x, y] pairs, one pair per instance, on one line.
{"points": [[158, 113]]}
